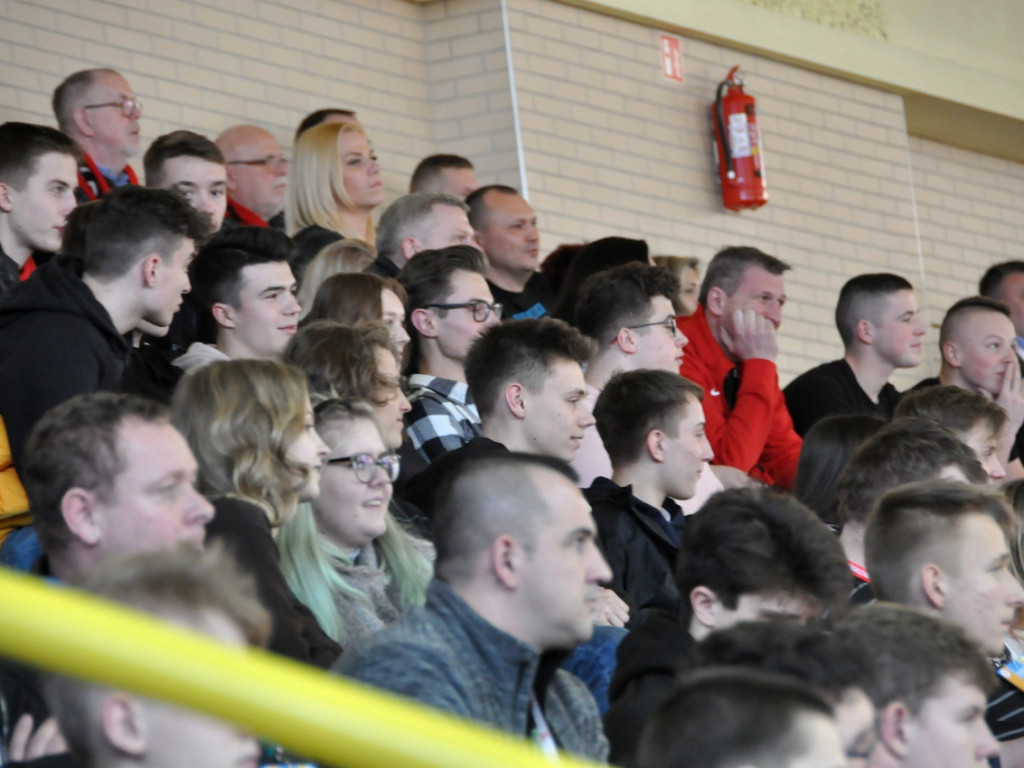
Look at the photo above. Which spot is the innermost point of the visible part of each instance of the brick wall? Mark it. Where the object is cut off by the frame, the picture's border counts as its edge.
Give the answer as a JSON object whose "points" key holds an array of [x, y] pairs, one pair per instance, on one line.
{"points": [[609, 146]]}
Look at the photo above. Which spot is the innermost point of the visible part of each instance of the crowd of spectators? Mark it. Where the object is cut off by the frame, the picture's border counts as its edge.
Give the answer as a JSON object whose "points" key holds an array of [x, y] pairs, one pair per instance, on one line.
{"points": [[571, 502]]}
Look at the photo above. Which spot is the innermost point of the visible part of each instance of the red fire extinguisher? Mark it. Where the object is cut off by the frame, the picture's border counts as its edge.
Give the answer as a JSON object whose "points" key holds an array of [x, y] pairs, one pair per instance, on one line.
{"points": [[738, 145]]}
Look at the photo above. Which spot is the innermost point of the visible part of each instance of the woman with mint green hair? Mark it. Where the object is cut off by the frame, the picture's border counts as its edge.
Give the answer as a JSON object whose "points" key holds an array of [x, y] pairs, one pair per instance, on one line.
{"points": [[343, 555]]}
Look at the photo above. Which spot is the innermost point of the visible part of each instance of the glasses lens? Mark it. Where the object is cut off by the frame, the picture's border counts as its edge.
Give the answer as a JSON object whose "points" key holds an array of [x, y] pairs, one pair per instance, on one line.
{"points": [[365, 467], [392, 465], [480, 311]]}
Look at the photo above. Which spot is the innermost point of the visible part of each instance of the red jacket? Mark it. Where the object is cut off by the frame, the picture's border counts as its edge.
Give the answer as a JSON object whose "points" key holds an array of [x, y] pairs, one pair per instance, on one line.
{"points": [[757, 435]]}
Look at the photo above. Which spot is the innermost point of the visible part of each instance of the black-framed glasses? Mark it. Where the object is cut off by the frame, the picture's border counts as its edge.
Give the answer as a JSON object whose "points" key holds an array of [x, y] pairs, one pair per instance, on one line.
{"points": [[668, 322], [276, 161], [129, 107], [366, 466], [481, 309]]}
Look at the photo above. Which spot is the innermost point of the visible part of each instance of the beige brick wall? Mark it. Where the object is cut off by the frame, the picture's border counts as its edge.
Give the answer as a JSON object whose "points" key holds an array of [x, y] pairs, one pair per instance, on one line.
{"points": [[609, 146]]}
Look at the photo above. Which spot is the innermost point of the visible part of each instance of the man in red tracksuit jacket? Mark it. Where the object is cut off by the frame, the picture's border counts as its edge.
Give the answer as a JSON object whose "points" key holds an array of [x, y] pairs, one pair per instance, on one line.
{"points": [[731, 354]]}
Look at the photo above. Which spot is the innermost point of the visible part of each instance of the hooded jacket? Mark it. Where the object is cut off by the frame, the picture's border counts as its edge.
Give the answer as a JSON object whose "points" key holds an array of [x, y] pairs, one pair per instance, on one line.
{"points": [[56, 341]]}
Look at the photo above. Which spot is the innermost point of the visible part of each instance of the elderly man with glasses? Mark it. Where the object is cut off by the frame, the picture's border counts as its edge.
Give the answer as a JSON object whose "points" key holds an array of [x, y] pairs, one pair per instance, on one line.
{"points": [[99, 110], [257, 176]]}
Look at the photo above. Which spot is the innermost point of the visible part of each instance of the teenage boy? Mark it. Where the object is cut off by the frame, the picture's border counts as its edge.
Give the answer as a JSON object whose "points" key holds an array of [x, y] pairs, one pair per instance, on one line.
{"points": [[192, 165], [37, 192], [449, 306], [881, 328], [653, 426], [748, 554]]}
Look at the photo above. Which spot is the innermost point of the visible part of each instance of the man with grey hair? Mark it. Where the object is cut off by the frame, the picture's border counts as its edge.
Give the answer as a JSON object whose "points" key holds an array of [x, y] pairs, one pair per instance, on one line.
{"points": [[419, 222], [98, 109], [507, 528]]}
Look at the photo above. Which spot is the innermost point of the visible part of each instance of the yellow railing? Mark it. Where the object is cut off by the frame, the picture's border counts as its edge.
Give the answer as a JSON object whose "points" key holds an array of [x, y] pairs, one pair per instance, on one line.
{"points": [[321, 716]]}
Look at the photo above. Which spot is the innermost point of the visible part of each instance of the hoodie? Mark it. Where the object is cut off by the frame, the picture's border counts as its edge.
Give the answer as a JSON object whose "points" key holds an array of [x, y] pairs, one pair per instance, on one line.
{"points": [[56, 341]]}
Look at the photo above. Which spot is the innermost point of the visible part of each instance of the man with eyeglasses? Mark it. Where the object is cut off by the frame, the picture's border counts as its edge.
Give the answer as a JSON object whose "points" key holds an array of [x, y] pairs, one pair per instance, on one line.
{"points": [[881, 329], [733, 346], [419, 222], [449, 306], [628, 312], [99, 110], [257, 177]]}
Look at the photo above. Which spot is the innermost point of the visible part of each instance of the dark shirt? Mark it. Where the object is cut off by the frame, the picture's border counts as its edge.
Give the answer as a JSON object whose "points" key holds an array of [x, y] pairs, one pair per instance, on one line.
{"points": [[647, 661], [536, 299], [382, 266], [831, 389]]}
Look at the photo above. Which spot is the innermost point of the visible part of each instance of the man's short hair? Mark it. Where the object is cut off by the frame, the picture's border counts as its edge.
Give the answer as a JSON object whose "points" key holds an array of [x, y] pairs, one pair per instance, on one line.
{"points": [[722, 718], [901, 452], [427, 278], [727, 267], [619, 297], [635, 402], [991, 283], [783, 648], [68, 95], [131, 222], [76, 445], [319, 116], [483, 498], [410, 216], [216, 271], [758, 541], [917, 523], [177, 144], [955, 408], [431, 167], [911, 654], [21, 146], [964, 309], [478, 209], [522, 351], [862, 298], [183, 587]]}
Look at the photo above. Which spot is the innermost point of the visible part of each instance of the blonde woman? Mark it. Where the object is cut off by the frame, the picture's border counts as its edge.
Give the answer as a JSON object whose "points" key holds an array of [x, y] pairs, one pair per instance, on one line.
{"points": [[250, 425], [344, 555], [334, 188]]}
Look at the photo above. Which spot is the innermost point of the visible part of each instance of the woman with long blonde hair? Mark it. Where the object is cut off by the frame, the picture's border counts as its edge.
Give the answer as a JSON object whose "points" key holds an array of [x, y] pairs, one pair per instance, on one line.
{"points": [[334, 187], [250, 426]]}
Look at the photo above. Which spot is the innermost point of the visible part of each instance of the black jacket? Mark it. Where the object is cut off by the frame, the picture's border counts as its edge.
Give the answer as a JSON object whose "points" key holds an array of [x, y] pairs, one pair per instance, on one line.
{"points": [[647, 662], [638, 545], [56, 341]]}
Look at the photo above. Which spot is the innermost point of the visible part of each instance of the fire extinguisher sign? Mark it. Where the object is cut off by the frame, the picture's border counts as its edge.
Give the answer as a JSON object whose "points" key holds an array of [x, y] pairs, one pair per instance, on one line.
{"points": [[671, 58]]}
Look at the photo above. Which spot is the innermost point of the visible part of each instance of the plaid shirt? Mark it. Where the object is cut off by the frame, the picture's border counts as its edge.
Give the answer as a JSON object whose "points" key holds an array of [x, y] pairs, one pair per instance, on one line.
{"points": [[443, 415]]}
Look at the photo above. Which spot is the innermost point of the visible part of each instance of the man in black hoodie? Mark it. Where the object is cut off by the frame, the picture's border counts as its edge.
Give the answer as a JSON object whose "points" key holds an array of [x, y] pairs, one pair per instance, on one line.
{"points": [[62, 332], [748, 554]]}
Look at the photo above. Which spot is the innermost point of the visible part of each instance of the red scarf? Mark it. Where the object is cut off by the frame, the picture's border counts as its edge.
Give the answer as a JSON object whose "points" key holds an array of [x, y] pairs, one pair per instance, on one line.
{"points": [[101, 181]]}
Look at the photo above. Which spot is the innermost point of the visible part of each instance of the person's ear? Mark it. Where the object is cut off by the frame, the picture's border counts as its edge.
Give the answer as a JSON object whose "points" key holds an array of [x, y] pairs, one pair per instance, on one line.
{"points": [[506, 561], [655, 445], [893, 730], [864, 330], [82, 121], [934, 586], [425, 322], [6, 201], [626, 341], [78, 508], [150, 267], [515, 399], [951, 353], [705, 605], [410, 246], [223, 314], [124, 723], [715, 302]]}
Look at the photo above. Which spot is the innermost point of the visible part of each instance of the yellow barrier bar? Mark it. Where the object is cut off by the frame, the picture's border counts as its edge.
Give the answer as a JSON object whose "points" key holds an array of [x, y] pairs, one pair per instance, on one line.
{"points": [[321, 716]]}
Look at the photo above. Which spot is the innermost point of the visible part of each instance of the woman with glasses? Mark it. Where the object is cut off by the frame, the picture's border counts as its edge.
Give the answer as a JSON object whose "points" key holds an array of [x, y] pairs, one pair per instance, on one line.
{"points": [[334, 188], [250, 426], [345, 555]]}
